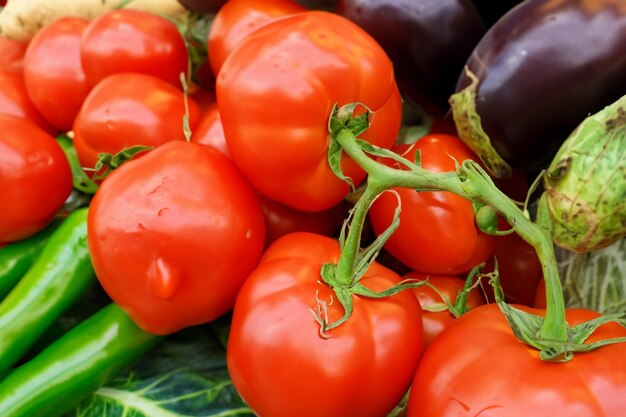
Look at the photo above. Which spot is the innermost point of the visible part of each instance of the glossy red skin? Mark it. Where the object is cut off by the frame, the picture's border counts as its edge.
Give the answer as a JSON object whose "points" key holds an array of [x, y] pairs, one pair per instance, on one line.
{"points": [[437, 232], [435, 323], [278, 134], [14, 100], [478, 368], [173, 235], [279, 218], [11, 54], [126, 40], [53, 75], [210, 131], [519, 268], [239, 18], [35, 178], [281, 365], [130, 109]]}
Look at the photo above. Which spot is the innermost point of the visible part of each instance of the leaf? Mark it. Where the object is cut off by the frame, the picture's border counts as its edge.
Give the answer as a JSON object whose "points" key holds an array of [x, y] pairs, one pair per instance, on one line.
{"points": [[185, 376]]}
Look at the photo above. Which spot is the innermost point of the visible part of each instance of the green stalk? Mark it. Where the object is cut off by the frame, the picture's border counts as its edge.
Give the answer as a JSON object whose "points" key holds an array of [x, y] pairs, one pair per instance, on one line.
{"points": [[472, 183]]}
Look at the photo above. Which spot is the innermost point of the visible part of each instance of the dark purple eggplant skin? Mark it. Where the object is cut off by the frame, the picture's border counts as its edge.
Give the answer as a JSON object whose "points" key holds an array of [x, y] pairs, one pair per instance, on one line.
{"points": [[492, 10], [542, 68], [428, 42], [203, 6]]}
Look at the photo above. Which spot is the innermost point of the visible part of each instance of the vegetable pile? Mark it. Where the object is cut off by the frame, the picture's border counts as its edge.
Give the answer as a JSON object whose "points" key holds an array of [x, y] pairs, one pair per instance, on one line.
{"points": [[326, 208]]}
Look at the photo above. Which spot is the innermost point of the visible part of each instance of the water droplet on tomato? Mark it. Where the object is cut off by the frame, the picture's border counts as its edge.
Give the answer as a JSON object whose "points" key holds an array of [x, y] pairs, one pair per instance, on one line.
{"points": [[163, 279]]}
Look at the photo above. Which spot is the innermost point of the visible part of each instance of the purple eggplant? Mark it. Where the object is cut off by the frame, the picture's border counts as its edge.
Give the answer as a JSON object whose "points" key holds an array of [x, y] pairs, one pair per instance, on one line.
{"points": [[427, 40], [491, 10], [536, 74]]}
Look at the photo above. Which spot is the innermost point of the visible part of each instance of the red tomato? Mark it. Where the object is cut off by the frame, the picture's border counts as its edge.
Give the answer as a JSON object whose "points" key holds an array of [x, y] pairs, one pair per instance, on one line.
{"points": [[519, 268], [283, 367], [281, 219], [435, 322], [276, 91], [437, 232], [239, 18], [173, 235], [35, 178], [478, 368], [53, 74], [126, 40], [210, 131], [11, 54], [202, 96], [14, 100], [130, 109]]}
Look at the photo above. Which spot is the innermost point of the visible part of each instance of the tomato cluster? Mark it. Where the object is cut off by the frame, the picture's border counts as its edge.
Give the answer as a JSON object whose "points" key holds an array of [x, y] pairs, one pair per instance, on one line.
{"points": [[234, 200]]}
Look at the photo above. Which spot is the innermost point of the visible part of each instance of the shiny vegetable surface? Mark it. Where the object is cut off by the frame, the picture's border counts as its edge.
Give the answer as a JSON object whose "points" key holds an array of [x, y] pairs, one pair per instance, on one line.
{"points": [[35, 178], [438, 232], [280, 362], [276, 90], [428, 42], [238, 19], [17, 258], [14, 100], [127, 40], [130, 109], [174, 234], [57, 279], [479, 368], [71, 368], [539, 71], [53, 74]]}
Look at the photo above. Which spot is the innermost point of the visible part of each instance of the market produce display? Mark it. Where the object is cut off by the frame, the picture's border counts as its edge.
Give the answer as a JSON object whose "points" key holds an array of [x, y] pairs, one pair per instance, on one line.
{"points": [[330, 208]]}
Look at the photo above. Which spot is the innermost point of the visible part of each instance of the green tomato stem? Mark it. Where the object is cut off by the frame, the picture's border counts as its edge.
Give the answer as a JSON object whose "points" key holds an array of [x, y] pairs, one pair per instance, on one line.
{"points": [[472, 183]]}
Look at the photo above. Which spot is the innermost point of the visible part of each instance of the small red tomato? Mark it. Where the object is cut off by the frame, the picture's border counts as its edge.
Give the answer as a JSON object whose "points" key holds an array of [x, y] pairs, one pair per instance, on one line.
{"points": [[130, 109], [435, 322], [239, 18], [437, 233], [126, 40], [14, 100], [53, 74], [35, 178], [283, 367], [173, 235]]}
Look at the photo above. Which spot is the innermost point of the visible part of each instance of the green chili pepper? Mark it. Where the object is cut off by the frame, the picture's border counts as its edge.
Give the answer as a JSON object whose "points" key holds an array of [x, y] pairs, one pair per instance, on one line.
{"points": [[17, 257], [67, 371], [59, 276]]}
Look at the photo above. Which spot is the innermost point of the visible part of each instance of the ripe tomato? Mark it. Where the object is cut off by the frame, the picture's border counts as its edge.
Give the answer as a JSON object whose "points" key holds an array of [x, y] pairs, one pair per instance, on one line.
{"points": [[281, 219], [437, 232], [283, 367], [478, 368], [276, 91], [435, 322], [11, 54], [130, 109], [53, 74], [239, 18], [14, 100], [518, 266], [210, 131], [173, 235], [126, 40], [35, 178]]}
